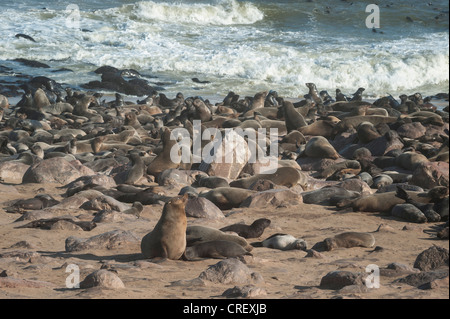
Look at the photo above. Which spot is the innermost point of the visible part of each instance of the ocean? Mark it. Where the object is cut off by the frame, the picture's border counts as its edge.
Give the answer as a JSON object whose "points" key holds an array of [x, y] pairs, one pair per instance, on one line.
{"points": [[241, 46]]}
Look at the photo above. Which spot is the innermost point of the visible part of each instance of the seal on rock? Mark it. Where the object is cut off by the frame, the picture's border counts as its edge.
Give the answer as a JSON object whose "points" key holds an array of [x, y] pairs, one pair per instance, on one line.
{"points": [[254, 230], [168, 238]]}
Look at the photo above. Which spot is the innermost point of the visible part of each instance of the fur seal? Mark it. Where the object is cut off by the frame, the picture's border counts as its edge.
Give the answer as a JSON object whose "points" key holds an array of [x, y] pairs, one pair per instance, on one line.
{"points": [[227, 197], [293, 119], [367, 132], [284, 176], [163, 160], [137, 169], [319, 128], [215, 249], [199, 234], [379, 202], [349, 240], [427, 209], [282, 242], [319, 147], [168, 238], [211, 181], [254, 230], [40, 201], [409, 213]]}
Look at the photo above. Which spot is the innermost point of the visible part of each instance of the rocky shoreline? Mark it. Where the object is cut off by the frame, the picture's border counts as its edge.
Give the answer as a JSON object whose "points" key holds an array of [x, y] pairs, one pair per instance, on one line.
{"points": [[359, 182]]}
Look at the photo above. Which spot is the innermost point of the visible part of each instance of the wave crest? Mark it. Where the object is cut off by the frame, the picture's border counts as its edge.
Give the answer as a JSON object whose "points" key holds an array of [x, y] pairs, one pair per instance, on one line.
{"points": [[227, 12]]}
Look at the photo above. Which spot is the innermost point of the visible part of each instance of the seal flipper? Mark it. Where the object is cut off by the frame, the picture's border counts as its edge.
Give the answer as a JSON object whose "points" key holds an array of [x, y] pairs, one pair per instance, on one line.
{"points": [[402, 194]]}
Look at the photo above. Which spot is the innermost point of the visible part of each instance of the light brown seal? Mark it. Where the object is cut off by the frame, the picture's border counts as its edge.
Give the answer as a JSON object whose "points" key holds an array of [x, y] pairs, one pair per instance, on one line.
{"points": [[163, 160], [199, 234], [227, 197], [319, 147], [168, 238], [349, 240], [215, 249]]}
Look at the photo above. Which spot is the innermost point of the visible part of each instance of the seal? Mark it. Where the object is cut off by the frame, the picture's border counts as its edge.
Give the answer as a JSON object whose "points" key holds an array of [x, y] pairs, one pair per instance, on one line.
{"points": [[211, 181], [410, 160], [284, 176], [163, 160], [168, 238], [349, 240], [219, 249], [227, 197], [379, 202], [427, 209], [137, 169], [319, 147], [294, 137], [199, 234], [319, 128], [254, 230], [293, 119], [367, 132], [409, 213], [314, 93], [282, 242], [40, 201]]}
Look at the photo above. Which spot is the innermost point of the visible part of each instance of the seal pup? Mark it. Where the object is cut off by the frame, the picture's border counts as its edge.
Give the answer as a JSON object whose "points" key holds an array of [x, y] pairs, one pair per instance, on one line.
{"points": [[282, 242], [40, 201], [349, 240], [219, 249], [168, 239], [254, 230]]}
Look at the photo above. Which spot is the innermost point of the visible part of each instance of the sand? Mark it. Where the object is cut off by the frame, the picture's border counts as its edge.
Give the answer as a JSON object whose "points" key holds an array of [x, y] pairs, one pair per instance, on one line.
{"points": [[286, 274]]}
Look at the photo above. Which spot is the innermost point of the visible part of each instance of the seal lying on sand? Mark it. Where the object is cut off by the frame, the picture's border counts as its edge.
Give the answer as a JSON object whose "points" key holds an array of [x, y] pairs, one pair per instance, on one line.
{"points": [[215, 249], [282, 242], [349, 240], [254, 230]]}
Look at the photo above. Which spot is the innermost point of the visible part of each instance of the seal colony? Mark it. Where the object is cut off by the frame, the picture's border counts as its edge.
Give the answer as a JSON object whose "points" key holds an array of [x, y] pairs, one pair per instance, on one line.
{"points": [[383, 157]]}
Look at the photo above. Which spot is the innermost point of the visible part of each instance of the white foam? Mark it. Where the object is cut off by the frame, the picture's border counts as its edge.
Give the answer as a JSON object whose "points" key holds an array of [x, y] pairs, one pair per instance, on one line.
{"points": [[224, 12]]}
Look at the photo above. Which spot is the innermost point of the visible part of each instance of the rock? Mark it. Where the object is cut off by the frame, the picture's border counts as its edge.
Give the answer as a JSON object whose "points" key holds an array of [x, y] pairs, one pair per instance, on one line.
{"points": [[230, 271], [435, 284], [397, 269], [385, 228], [53, 170], [201, 207], [443, 234], [177, 177], [65, 225], [423, 277], [314, 254], [20, 254], [86, 181], [338, 279], [248, 291], [109, 216], [102, 278], [105, 202], [109, 240], [229, 159], [12, 172], [432, 258], [431, 174], [23, 244], [273, 197], [356, 185]]}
